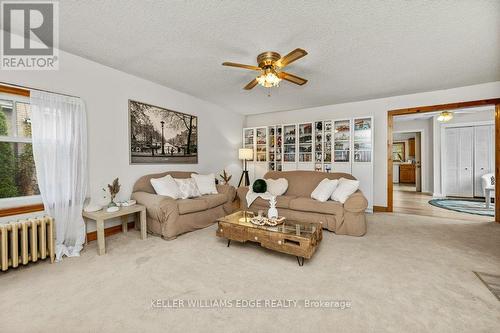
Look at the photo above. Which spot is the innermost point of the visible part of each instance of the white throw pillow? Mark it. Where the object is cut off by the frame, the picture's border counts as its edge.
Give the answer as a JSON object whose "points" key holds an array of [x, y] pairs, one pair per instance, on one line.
{"points": [[324, 190], [277, 187], [188, 188], [345, 188], [205, 183], [166, 186]]}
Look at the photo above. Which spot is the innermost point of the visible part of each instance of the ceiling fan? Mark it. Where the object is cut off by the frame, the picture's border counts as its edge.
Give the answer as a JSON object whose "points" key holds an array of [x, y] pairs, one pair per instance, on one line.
{"points": [[270, 65]]}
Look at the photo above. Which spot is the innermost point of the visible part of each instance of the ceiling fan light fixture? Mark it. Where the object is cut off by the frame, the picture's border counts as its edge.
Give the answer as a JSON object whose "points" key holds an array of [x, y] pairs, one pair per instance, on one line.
{"points": [[269, 78], [270, 65], [445, 116]]}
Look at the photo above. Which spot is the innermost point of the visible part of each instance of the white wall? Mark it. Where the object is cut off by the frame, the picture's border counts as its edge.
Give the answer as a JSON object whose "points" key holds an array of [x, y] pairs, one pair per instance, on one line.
{"points": [[378, 108], [106, 92], [426, 144]]}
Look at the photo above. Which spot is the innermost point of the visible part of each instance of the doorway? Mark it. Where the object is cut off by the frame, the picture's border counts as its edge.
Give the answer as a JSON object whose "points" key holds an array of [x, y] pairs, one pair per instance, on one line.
{"points": [[426, 187], [407, 160]]}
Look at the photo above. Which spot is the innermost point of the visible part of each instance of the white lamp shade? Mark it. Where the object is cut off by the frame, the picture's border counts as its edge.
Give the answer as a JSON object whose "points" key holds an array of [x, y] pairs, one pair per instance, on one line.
{"points": [[245, 154]]}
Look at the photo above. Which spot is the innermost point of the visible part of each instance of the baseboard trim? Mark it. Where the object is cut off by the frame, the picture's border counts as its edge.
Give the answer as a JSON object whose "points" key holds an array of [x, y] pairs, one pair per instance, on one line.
{"points": [[92, 236], [380, 209]]}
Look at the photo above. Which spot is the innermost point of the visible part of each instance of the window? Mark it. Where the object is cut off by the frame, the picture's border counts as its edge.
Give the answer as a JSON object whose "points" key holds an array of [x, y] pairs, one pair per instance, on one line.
{"points": [[17, 167], [398, 151]]}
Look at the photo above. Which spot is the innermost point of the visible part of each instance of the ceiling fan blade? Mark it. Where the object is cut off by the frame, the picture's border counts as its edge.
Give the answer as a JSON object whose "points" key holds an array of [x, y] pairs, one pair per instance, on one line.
{"points": [[251, 84], [291, 57], [292, 78], [233, 64]]}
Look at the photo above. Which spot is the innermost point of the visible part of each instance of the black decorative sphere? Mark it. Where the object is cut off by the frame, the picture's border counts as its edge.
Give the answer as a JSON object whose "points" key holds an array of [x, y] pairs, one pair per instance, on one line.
{"points": [[259, 186]]}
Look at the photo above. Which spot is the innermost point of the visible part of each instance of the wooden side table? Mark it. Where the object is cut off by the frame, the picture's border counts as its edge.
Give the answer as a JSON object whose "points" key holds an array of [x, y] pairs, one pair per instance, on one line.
{"points": [[100, 216]]}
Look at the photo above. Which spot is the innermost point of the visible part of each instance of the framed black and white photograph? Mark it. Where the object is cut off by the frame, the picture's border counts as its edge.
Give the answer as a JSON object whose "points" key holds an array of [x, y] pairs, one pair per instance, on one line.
{"points": [[161, 136]]}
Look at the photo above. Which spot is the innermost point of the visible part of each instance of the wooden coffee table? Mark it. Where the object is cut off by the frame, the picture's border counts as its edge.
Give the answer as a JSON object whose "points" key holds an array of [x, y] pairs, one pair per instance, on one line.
{"points": [[295, 238]]}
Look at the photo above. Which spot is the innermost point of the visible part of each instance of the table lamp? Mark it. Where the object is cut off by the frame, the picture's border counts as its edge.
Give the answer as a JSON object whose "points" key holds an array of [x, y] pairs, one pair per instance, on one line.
{"points": [[245, 154]]}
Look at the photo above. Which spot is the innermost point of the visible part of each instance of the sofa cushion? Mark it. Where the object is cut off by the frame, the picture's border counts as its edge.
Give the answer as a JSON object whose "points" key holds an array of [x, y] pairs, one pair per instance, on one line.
{"points": [[324, 190], [283, 201], [188, 188], [302, 183], [277, 187], [166, 186], [205, 183], [345, 188], [311, 205], [187, 206], [214, 200]]}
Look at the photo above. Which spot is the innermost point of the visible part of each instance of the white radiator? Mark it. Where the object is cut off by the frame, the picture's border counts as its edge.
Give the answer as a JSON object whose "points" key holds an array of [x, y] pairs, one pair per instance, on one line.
{"points": [[26, 241]]}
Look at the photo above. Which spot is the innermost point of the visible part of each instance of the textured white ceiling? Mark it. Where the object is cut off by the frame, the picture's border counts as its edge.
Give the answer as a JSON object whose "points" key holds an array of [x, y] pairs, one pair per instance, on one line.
{"points": [[357, 49]]}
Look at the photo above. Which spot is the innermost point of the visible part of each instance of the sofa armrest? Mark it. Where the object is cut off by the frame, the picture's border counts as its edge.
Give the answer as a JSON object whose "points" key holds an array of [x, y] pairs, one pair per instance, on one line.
{"points": [[228, 190], [156, 205], [242, 195], [356, 203]]}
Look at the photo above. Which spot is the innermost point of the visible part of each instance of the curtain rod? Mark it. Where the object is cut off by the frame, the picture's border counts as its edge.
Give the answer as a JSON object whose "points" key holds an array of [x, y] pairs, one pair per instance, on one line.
{"points": [[29, 88]]}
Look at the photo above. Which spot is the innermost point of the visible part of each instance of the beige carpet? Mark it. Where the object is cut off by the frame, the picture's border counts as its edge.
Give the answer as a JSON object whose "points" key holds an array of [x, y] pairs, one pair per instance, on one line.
{"points": [[408, 274]]}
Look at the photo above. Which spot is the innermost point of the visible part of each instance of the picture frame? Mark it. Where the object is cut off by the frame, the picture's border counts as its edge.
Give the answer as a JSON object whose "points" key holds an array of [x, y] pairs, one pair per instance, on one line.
{"points": [[158, 135]]}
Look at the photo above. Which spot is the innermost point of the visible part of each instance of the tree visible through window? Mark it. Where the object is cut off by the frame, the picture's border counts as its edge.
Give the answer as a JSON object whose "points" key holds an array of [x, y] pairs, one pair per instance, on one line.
{"points": [[17, 167]]}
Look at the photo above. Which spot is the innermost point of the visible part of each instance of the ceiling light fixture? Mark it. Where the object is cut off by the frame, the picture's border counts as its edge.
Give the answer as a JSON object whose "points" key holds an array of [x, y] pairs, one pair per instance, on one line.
{"points": [[445, 116], [269, 78]]}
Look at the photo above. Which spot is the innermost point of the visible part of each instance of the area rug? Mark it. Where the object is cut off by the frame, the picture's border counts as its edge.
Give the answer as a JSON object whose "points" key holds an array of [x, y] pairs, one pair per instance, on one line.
{"points": [[491, 281], [470, 206]]}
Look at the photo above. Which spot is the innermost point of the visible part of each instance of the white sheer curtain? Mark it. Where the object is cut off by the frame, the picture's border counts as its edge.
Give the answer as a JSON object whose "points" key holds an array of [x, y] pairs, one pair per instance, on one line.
{"points": [[59, 130]]}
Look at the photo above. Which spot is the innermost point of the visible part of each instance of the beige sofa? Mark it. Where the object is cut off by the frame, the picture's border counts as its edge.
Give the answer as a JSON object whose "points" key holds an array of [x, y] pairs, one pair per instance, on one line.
{"points": [[296, 203], [168, 218]]}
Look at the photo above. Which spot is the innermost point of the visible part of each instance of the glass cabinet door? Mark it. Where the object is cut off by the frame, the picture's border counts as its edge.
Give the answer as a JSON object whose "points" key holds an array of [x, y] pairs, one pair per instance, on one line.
{"points": [[271, 140], [261, 144], [289, 143], [318, 146], [342, 140], [279, 148], [363, 140], [248, 140], [327, 136], [305, 142]]}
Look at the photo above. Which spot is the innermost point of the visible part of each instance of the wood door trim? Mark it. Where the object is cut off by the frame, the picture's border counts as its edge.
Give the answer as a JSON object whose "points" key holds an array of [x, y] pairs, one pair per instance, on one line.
{"points": [[443, 107], [21, 210], [497, 162], [14, 90]]}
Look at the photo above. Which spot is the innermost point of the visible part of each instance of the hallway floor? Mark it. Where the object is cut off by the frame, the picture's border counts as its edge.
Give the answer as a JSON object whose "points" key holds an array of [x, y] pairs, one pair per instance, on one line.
{"points": [[407, 201]]}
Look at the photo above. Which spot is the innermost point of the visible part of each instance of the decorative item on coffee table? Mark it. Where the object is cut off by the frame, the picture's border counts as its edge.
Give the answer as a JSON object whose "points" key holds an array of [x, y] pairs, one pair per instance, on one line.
{"points": [[300, 239], [272, 212]]}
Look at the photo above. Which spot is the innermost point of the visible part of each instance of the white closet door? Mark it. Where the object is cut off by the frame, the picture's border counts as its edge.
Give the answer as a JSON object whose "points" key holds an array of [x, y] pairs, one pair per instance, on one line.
{"points": [[459, 161], [466, 167], [451, 159], [483, 155]]}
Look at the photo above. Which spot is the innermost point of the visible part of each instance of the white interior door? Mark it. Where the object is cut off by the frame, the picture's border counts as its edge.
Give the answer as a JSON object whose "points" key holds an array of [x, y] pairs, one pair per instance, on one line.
{"points": [[451, 161], [483, 155], [466, 176], [459, 161]]}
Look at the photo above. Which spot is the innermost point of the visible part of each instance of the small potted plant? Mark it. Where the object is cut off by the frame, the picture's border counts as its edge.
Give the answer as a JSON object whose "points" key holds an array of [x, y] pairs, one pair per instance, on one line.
{"points": [[225, 177], [113, 189]]}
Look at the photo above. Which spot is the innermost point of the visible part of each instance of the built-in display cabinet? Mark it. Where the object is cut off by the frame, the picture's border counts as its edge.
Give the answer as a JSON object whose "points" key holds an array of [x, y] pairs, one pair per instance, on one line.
{"points": [[275, 144], [323, 146], [338, 145]]}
